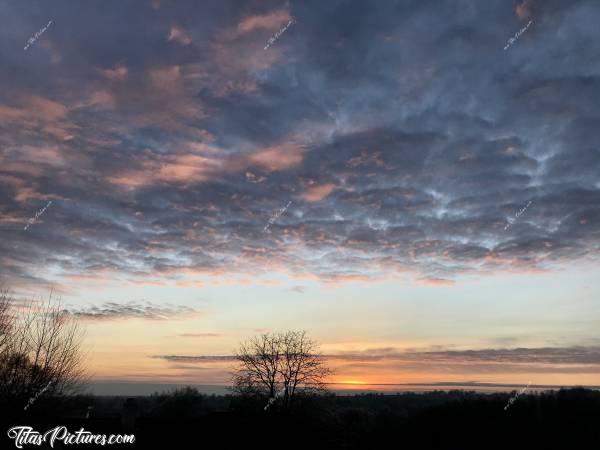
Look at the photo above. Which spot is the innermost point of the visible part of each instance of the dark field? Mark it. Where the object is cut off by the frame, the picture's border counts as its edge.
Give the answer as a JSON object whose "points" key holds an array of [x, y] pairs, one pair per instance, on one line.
{"points": [[565, 419]]}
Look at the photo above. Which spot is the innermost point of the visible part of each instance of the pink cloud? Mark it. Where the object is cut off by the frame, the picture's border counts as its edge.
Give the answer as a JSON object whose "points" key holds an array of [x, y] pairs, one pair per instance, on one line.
{"points": [[55, 56], [131, 179], [27, 193], [190, 284], [435, 282], [164, 98], [166, 78], [44, 109], [33, 112], [270, 21], [9, 218], [103, 99], [365, 158], [22, 168], [237, 56], [119, 73], [179, 35], [240, 86], [184, 168], [43, 155], [10, 114], [170, 96], [60, 132], [33, 108]]}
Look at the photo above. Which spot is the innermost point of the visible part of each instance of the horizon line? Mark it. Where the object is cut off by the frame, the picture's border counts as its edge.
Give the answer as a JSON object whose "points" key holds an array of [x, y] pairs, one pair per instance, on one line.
{"points": [[449, 383]]}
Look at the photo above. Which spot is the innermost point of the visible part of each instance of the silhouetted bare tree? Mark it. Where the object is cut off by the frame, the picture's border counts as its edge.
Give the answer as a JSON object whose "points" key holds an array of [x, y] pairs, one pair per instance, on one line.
{"points": [[40, 349], [280, 365], [4, 320]]}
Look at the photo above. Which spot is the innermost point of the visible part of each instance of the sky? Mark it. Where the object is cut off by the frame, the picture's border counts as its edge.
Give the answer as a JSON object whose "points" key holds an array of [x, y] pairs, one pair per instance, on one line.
{"points": [[415, 183]]}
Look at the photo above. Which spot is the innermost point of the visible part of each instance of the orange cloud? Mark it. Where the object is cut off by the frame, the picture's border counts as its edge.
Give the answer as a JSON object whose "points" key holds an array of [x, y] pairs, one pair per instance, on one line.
{"points": [[188, 168], [524, 9], [338, 280], [279, 157], [318, 193], [206, 162]]}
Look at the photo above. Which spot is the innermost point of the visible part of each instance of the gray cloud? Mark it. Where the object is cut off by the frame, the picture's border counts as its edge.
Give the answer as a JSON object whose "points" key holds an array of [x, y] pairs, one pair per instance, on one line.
{"points": [[195, 359], [553, 356], [398, 147], [132, 310], [548, 355]]}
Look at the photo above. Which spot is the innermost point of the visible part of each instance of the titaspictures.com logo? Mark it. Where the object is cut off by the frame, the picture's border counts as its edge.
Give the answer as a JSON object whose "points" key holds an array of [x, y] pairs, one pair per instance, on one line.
{"points": [[24, 435]]}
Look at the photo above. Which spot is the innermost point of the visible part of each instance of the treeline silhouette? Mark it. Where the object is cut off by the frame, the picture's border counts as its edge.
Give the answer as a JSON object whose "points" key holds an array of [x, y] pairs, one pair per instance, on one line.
{"points": [[41, 369], [564, 419]]}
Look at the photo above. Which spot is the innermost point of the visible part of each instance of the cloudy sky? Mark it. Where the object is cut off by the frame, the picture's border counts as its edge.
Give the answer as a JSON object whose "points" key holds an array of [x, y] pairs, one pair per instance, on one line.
{"points": [[416, 183]]}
